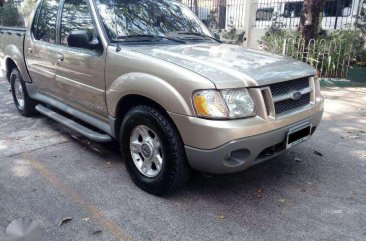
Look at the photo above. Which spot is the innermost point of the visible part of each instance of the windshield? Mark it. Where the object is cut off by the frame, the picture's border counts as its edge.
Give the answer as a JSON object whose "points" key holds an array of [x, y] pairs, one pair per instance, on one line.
{"points": [[134, 18]]}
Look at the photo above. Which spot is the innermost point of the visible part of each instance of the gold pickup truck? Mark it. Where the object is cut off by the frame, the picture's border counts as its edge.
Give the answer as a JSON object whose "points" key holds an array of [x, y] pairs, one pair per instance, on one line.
{"points": [[150, 75]]}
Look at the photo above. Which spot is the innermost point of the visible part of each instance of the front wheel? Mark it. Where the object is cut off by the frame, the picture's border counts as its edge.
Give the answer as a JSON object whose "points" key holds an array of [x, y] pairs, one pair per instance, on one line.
{"points": [[153, 151], [22, 101]]}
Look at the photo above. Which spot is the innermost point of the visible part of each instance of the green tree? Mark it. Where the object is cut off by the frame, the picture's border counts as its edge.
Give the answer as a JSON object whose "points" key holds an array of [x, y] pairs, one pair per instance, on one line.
{"points": [[196, 7], [10, 16]]}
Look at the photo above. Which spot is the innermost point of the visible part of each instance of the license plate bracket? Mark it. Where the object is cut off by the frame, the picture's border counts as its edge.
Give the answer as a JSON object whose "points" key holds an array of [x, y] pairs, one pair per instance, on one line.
{"points": [[298, 134]]}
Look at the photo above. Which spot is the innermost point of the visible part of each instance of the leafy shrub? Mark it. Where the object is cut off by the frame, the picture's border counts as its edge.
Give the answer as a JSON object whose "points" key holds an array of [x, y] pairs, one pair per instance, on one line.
{"points": [[10, 16], [356, 40], [361, 25], [330, 54], [273, 38]]}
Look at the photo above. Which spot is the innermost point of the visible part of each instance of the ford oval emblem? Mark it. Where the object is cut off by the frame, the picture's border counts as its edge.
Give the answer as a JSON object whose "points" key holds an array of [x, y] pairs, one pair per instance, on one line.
{"points": [[297, 95]]}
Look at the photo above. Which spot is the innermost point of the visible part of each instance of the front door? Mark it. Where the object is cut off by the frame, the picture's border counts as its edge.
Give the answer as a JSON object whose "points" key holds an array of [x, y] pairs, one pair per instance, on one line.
{"points": [[80, 72]]}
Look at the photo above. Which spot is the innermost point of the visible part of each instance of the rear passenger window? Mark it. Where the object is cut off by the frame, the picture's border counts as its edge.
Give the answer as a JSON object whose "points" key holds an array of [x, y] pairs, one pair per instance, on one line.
{"points": [[75, 16], [46, 22], [35, 20]]}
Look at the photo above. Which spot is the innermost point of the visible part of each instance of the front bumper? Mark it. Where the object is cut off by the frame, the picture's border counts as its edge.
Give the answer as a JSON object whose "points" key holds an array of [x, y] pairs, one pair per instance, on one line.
{"points": [[238, 155]]}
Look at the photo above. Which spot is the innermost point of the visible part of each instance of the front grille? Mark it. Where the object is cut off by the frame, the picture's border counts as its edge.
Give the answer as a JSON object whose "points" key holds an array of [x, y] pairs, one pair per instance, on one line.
{"points": [[287, 88], [290, 104]]}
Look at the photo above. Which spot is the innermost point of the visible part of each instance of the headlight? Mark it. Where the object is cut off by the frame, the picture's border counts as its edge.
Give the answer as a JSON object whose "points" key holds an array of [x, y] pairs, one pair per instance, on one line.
{"points": [[239, 103], [209, 103], [223, 104]]}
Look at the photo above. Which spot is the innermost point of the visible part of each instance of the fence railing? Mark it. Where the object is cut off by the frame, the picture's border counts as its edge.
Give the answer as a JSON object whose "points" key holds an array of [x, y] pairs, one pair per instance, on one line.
{"points": [[337, 14], [219, 14], [330, 58]]}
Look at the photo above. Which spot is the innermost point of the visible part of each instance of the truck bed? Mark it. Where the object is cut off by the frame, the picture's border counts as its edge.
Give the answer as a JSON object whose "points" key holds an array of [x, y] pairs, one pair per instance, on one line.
{"points": [[12, 29], [11, 40]]}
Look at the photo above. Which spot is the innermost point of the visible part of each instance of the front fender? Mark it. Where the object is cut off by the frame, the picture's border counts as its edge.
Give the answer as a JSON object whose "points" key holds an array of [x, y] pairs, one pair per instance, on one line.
{"points": [[13, 53], [151, 87]]}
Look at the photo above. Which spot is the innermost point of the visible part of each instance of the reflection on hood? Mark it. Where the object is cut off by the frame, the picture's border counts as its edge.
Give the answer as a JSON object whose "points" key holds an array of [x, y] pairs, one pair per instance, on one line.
{"points": [[225, 64]]}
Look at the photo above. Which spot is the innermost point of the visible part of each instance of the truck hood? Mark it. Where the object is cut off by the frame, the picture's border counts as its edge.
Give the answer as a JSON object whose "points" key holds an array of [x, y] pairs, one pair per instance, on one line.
{"points": [[230, 66]]}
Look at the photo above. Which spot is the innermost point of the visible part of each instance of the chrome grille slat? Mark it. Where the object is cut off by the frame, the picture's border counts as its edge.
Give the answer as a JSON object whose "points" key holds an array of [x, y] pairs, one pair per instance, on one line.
{"points": [[289, 95]]}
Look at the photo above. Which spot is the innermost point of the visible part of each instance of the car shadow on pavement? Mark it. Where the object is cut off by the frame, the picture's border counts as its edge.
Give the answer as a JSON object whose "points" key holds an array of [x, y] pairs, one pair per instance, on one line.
{"points": [[272, 173]]}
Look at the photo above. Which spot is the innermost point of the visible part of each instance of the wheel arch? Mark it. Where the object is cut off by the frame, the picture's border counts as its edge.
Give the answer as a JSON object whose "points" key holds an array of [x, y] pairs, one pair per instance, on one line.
{"points": [[162, 92], [14, 58], [132, 100], [9, 66]]}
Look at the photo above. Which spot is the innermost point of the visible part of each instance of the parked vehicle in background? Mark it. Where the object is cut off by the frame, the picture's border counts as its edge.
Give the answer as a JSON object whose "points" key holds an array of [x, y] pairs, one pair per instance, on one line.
{"points": [[150, 75]]}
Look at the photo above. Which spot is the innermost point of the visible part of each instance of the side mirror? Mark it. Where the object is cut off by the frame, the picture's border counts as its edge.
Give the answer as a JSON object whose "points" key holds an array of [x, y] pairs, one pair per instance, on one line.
{"points": [[80, 39]]}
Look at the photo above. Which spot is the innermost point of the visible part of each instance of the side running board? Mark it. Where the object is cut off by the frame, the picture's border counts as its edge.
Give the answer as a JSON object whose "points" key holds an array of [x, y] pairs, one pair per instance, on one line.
{"points": [[93, 135]]}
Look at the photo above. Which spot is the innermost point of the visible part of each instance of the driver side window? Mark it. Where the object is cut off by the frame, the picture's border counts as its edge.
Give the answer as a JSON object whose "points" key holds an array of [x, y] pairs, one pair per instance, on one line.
{"points": [[75, 16]]}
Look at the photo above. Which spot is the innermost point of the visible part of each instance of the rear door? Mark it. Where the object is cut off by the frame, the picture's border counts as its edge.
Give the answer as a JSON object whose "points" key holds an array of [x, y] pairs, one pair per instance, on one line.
{"points": [[80, 72], [40, 48]]}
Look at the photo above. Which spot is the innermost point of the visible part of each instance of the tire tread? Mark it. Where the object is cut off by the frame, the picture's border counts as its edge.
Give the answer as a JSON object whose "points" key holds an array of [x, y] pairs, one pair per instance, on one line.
{"points": [[180, 171], [29, 104]]}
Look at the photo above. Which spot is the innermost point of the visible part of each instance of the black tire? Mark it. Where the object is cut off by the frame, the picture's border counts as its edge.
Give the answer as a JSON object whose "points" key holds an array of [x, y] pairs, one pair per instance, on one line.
{"points": [[28, 108], [175, 171]]}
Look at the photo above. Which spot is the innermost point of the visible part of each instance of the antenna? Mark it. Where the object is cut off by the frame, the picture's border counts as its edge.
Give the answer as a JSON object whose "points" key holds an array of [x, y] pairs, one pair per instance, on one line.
{"points": [[115, 20]]}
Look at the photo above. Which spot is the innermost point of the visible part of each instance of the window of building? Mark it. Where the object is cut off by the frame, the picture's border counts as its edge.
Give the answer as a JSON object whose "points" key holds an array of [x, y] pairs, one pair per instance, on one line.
{"points": [[264, 14], [293, 9]]}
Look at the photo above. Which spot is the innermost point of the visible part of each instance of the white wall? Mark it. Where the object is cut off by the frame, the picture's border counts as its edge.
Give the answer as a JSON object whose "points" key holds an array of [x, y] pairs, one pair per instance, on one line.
{"points": [[254, 36]]}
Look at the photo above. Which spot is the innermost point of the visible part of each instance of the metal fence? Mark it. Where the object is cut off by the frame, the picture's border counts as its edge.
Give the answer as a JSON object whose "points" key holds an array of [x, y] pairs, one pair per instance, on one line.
{"points": [[331, 58], [219, 14], [337, 14]]}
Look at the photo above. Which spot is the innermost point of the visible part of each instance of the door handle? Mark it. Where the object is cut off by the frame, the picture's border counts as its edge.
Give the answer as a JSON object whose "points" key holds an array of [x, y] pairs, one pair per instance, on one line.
{"points": [[60, 57]]}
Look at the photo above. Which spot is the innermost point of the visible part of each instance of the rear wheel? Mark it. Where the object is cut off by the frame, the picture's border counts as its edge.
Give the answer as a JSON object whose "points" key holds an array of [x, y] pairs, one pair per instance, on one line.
{"points": [[22, 101], [153, 151]]}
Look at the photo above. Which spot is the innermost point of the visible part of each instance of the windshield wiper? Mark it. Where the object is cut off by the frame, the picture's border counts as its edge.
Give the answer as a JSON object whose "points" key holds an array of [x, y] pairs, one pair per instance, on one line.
{"points": [[149, 36], [199, 34]]}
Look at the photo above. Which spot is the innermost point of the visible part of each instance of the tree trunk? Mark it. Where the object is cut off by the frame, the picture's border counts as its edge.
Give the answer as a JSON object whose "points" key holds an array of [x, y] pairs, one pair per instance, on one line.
{"points": [[310, 19], [195, 7], [220, 15]]}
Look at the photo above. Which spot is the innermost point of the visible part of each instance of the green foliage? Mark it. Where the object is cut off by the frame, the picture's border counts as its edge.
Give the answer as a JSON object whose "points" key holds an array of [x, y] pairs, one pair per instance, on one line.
{"points": [[330, 54], [274, 37], [361, 25], [356, 40], [10, 16]]}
